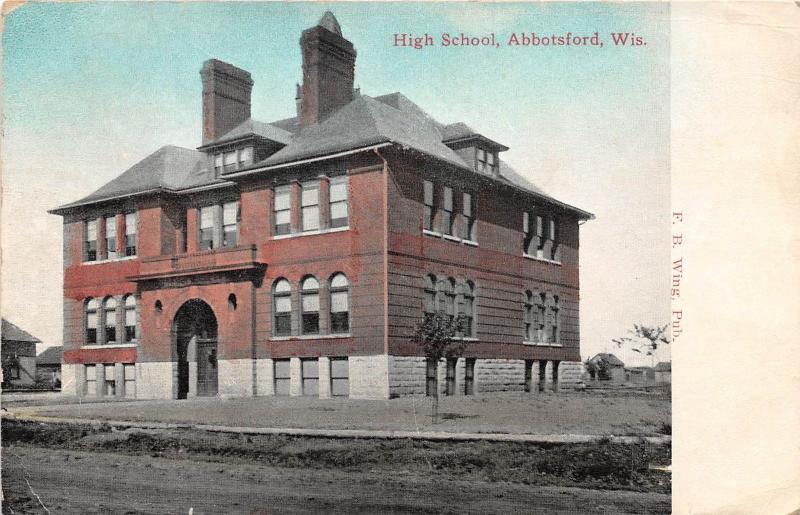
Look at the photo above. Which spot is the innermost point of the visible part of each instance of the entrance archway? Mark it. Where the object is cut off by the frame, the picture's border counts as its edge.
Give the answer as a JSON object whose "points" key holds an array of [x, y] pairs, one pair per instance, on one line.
{"points": [[196, 346]]}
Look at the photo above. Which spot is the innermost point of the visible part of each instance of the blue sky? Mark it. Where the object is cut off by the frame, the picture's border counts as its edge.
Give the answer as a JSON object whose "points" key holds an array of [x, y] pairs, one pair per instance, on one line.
{"points": [[91, 88]]}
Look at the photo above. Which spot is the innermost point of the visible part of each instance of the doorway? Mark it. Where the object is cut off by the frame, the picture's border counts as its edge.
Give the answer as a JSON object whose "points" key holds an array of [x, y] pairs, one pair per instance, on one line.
{"points": [[196, 344]]}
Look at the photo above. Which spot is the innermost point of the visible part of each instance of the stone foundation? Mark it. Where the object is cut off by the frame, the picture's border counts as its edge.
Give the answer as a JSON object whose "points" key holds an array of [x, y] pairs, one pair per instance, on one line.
{"points": [[235, 377], [369, 377], [69, 379], [155, 380]]}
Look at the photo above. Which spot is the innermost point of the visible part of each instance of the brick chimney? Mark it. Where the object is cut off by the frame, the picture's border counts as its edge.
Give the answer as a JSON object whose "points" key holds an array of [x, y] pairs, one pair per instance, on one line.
{"points": [[328, 70], [226, 98]]}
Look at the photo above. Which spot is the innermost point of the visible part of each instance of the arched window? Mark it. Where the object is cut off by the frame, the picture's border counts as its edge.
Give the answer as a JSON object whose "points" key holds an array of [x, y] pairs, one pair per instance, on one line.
{"points": [[539, 318], [553, 329], [446, 297], [528, 316], [309, 302], [340, 304], [467, 308], [430, 295], [91, 320], [110, 319], [130, 319], [282, 308], [232, 302]]}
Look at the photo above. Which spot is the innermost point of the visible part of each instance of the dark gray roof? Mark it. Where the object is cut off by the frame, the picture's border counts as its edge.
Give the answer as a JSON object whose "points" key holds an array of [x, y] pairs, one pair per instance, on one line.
{"points": [[609, 358], [363, 122], [50, 356], [329, 21], [12, 333], [252, 127], [169, 168]]}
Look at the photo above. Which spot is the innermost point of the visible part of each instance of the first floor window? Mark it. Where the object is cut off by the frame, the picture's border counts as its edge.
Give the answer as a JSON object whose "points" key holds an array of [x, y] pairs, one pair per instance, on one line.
{"points": [[130, 234], [430, 377], [130, 380], [110, 382], [230, 224], [340, 377], [338, 202], [111, 237], [110, 316], [282, 300], [91, 321], [309, 300], [340, 304], [91, 380], [282, 210], [282, 376], [130, 318], [310, 376], [206, 227], [90, 241]]}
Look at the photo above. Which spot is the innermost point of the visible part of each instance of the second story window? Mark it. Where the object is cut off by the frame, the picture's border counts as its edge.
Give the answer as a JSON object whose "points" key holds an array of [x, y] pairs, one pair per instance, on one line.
{"points": [[309, 303], [429, 306], [340, 304], [528, 314], [338, 202], [130, 234], [230, 224], [468, 209], [447, 211], [282, 210], [110, 319], [91, 321], [111, 237], [310, 206], [206, 228], [90, 243], [427, 217], [130, 319]]}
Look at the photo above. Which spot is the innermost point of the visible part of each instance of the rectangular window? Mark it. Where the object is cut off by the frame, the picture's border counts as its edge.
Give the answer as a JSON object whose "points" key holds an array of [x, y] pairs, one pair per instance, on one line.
{"points": [[245, 157], [310, 206], [111, 237], [218, 162], [282, 210], [110, 383], [130, 380], [528, 321], [430, 377], [339, 211], [282, 371], [283, 315], [533, 226], [468, 209], [91, 327], [538, 236], [230, 224], [14, 371], [450, 377], [447, 211], [469, 376], [310, 371], [130, 234], [91, 381], [340, 319], [486, 161], [229, 161], [90, 243], [206, 227], [340, 377], [555, 244], [528, 375], [111, 324], [427, 219]]}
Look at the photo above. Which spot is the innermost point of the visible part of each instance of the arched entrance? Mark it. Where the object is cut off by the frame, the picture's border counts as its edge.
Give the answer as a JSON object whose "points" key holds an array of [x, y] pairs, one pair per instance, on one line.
{"points": [[196, 349]]}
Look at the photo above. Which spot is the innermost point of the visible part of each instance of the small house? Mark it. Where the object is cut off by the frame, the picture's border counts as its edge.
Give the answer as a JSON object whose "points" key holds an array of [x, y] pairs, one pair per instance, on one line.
{"points": [[18, 355], [606, 367], [48, 367]]}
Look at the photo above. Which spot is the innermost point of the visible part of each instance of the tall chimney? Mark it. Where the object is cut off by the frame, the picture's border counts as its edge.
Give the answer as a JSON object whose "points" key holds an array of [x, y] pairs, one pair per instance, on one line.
{"points": [[329, 62], [226, 98]]}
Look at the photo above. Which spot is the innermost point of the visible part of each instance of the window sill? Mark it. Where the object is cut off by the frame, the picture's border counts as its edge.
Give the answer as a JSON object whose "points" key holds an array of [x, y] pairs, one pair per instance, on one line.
{"points": [[115, 260], [449, 237], [109, 346], [311, 337], [310, 233], [535, 258], [542, 344]]}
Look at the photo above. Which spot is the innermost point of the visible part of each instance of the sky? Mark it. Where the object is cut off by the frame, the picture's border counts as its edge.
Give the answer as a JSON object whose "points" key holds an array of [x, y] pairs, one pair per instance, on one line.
{"points": [[89, 89]]}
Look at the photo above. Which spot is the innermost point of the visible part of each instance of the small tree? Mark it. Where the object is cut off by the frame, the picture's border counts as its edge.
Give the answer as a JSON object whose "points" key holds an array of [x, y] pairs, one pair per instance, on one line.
{"points": [[644, 339], [437, 335]]}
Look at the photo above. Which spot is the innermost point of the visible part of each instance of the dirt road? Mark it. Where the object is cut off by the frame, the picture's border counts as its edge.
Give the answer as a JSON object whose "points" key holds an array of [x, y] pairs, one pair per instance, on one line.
{"points": [[69, 481]]}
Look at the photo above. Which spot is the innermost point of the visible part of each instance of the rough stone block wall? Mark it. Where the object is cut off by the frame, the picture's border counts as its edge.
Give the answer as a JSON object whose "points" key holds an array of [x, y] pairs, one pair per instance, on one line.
{"points": [[369, 377], [499, 375], [154, 380], [570, 374], [235, 377], [406, 376]]}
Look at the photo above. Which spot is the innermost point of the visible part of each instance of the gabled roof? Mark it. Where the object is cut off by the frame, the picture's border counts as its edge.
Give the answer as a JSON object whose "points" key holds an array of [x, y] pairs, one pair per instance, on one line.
{"points": [[251, 127], [609, 358], [363, 122], [50, 356], [12, 333]]}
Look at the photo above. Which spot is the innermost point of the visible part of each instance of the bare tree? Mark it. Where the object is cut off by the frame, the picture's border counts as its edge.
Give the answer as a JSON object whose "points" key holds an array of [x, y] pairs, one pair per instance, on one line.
{"points": [[644, 339], [438, 334]]}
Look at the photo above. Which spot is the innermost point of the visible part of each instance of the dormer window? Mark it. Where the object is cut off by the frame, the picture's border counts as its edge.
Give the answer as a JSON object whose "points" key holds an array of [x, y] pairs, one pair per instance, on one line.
{"points": [[233, 160], [486, 161]]}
